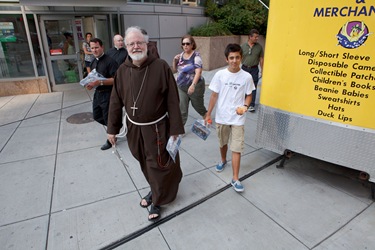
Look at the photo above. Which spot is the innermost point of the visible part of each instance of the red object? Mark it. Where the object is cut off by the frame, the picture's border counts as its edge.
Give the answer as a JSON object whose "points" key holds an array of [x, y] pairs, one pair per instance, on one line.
{"points": [[54, 52]]}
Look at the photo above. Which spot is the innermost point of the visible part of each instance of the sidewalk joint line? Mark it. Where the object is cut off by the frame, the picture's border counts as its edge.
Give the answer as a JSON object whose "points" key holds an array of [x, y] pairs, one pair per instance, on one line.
{"points": [[54, 176], [141, 231]]}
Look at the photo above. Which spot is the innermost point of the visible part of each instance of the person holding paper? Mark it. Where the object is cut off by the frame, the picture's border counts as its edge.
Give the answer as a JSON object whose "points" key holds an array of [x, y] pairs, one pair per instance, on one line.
{"points": [[231, 90], [107, 67], [144, 85]]}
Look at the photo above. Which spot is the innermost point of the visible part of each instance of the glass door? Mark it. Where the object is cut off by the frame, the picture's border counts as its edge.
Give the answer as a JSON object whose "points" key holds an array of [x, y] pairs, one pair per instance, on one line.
{"points": [[62, 50]]}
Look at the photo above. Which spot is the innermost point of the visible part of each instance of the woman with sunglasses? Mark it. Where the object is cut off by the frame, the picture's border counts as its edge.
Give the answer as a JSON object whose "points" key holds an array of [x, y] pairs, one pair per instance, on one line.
{"points": [[191, 84]]}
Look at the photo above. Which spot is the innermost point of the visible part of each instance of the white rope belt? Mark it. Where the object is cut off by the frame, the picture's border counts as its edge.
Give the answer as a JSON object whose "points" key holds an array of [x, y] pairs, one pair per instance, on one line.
{"points": [[125, 127]]}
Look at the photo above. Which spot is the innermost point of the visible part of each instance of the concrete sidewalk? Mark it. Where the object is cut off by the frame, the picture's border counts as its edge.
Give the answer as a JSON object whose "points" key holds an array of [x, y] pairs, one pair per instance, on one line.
{"points": [[58, 190]]}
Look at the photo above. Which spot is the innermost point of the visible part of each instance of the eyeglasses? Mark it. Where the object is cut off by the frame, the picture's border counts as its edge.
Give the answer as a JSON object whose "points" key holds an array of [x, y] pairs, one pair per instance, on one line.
{"points": [[187, 44], [139, 44]]}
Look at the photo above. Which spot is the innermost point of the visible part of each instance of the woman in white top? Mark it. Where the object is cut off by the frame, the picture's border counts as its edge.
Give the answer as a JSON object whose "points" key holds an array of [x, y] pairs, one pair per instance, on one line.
{"points": [[89, 57]]}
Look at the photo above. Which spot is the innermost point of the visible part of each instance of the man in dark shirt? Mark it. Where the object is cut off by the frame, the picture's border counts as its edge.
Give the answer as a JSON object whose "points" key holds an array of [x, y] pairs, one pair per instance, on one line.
{"points": [[118, 52], [252, 61], [107, 67]]}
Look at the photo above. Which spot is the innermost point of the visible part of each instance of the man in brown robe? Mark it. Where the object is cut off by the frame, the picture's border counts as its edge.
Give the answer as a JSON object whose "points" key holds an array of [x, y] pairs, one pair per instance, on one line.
{"points": [[145, 86]]}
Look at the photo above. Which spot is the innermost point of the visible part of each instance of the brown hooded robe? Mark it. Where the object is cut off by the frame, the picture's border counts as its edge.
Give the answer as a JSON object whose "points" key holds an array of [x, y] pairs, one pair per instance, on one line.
{"points": [[157, 96]]}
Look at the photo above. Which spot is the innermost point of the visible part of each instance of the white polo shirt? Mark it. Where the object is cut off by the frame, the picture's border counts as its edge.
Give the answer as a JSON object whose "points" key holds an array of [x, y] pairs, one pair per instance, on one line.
{"points": [[231, 89]]}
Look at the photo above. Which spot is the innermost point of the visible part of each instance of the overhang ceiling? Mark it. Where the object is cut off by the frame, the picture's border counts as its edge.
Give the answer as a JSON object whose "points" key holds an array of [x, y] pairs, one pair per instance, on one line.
{"points": [[80, 3]]}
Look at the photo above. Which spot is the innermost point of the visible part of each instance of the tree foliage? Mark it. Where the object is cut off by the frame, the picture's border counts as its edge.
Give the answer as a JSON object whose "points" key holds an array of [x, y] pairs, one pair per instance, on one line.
{"points": [[210, 29], [238, 16]]}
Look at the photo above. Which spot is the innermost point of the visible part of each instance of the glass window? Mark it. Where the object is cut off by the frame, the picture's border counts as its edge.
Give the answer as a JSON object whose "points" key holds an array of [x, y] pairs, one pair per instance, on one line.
{"points": [[115, 27], [201, 3], [191, 3], [60, 37], [158, 1], [65, 71], [15, 56]]}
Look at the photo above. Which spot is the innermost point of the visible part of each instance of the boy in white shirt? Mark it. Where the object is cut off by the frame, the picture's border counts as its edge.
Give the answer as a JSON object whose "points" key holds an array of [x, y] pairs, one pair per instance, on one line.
{"points": [[231, 89]]}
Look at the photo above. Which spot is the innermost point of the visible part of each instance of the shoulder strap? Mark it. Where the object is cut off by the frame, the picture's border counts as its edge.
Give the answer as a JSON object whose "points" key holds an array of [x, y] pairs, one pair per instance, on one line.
{"points": [[179, 61]]}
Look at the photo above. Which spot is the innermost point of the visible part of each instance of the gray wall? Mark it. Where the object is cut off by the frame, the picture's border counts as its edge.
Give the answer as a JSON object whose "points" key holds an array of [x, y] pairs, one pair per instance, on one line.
{"points": [[165, 28]]}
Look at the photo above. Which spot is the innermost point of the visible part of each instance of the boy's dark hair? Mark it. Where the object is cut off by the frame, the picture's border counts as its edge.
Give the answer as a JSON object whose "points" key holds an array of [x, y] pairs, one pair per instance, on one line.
{"points": [[96, 40], [232, 47], [253, 31], [88, 33]]}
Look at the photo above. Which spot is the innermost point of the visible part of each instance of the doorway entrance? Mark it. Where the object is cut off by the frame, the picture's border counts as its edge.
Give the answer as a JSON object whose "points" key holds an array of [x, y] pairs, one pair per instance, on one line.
{"points": [[62, 43], [62, 50]]}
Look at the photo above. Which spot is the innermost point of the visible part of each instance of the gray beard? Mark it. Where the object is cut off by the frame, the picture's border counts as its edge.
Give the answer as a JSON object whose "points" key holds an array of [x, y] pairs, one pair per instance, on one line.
{"points": [[138, 57]]}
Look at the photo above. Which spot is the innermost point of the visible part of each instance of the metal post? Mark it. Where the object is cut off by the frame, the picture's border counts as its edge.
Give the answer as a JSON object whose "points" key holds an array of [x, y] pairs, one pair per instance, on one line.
{"points": [[264, 5], [29, 40], [42, 54]]}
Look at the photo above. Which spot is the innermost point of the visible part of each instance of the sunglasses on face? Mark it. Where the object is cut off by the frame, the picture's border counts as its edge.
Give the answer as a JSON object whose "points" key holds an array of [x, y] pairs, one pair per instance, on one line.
{"points": [[187, 44]]}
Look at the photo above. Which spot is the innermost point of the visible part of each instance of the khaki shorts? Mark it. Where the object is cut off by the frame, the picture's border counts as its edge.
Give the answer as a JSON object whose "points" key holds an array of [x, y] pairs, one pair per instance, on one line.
{"points": [[235, 135]]}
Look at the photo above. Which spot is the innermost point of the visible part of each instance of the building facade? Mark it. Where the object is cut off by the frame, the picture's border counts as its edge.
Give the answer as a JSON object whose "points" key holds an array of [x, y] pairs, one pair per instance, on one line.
{"points": [[41, 46]]}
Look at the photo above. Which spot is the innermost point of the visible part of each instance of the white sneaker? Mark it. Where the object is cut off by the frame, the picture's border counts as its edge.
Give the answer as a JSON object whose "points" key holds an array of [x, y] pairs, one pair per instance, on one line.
{"points": [[251, 109]]}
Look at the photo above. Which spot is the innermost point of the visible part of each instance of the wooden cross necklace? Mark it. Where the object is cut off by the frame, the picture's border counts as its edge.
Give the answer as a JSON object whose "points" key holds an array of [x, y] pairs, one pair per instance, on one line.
{"points": [[139, 92]]}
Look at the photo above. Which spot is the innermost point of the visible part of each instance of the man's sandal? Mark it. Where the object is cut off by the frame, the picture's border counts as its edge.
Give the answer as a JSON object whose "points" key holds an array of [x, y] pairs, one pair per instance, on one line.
{"points": [[148, 199], [155, 210]]}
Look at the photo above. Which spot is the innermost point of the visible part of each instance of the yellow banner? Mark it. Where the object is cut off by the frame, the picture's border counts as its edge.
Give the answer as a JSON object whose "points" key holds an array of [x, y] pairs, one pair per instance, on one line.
{"points": [[320, 60]]}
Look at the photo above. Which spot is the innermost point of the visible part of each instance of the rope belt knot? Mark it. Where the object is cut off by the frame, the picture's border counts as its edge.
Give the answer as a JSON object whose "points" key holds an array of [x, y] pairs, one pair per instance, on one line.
{"points": [[125, 127]]}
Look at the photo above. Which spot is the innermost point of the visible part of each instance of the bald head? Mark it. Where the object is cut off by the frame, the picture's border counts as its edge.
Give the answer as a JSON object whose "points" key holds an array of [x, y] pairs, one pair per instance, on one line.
{"points": [[118, 41]]}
